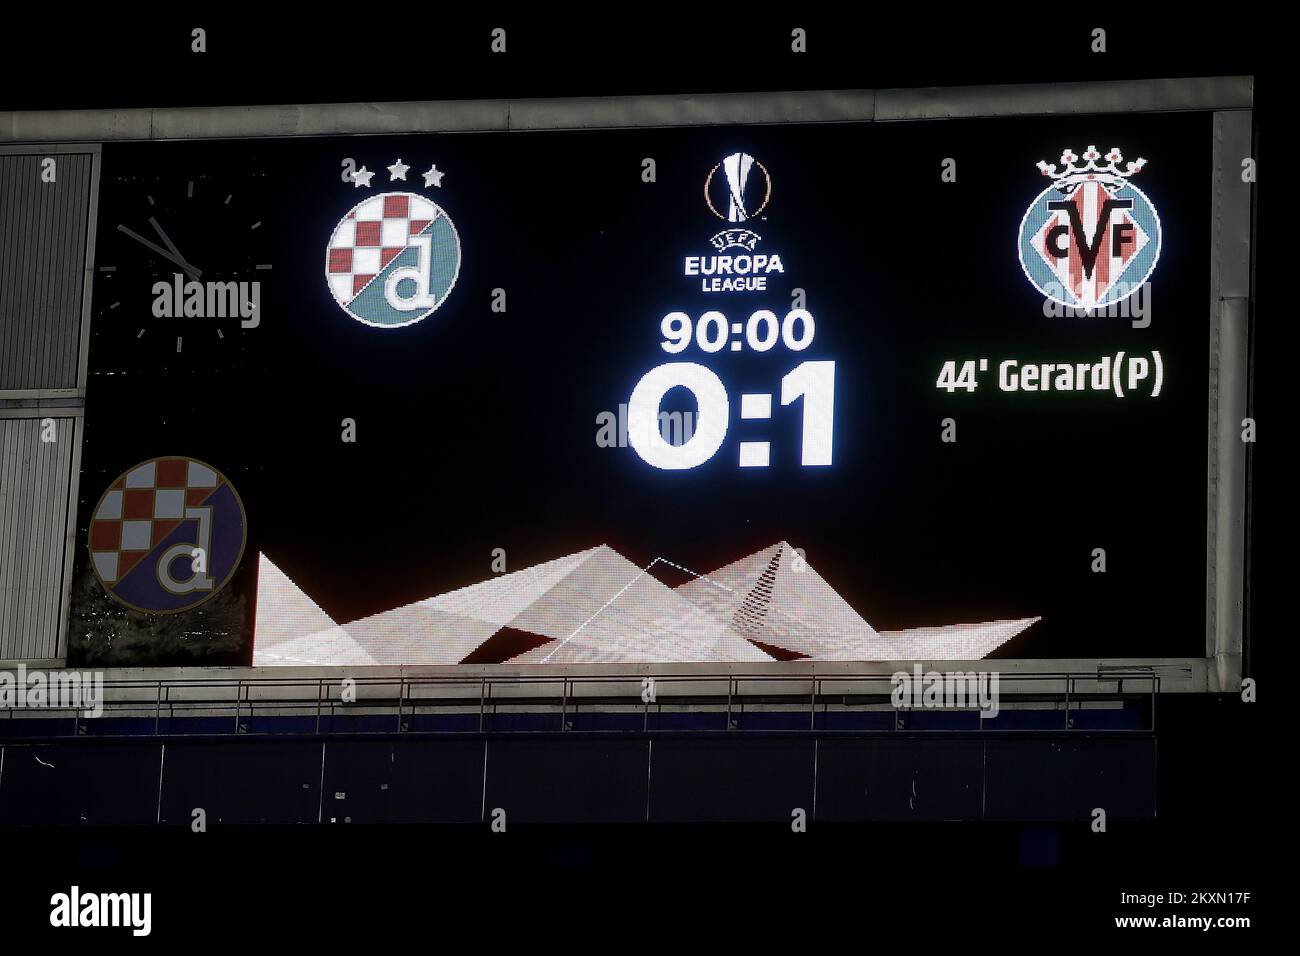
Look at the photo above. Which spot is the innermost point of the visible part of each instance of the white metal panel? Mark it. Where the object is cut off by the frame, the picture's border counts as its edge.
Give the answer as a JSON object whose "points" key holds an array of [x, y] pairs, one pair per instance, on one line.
{"points": [[43, 228], [35, 482], [1229, 391]]}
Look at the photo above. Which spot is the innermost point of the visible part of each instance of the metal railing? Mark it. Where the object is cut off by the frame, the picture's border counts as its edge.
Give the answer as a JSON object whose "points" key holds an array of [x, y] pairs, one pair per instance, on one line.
{"points": [[485, 698]]}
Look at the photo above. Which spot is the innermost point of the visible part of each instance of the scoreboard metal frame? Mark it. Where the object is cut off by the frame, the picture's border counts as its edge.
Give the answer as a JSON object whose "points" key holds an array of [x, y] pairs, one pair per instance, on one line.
{"points": [[1228, 99]]}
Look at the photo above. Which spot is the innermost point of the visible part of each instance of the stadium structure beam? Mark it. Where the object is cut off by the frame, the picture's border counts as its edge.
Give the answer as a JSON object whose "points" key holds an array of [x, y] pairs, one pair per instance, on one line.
{"points": [[620, 112]]}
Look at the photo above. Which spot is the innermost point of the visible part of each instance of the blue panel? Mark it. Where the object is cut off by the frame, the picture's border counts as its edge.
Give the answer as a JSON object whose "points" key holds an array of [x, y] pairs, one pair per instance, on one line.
{"points": [[1065, 778], [942, 720], [882, 720], [771, 720], [443, 723], [118, 726], [242, 781], [570, 779], [622, 722], [196, 725], [405, 780], [1039, 846], [522, 722], [734, 778], [79, 782], [687, 721], [344, 723], [1027, 720], [284, 725], [1127, 718], [26, 727], [904, 778]]}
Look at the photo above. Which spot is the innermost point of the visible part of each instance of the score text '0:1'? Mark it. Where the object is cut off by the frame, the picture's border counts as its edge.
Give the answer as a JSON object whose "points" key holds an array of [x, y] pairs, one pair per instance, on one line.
{"points": [[814, 382]]}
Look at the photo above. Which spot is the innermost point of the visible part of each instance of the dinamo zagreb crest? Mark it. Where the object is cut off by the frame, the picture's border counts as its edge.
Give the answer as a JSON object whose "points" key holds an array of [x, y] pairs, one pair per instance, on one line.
{"points": [[1091, 238], [167, 535], [393, 259]]}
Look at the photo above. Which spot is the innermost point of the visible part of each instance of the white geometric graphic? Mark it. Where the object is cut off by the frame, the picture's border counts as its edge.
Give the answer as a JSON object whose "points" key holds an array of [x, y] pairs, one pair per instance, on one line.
{"points": [[774, 597], [611, 611], [598, 607], [292, 629], [447, 628]]}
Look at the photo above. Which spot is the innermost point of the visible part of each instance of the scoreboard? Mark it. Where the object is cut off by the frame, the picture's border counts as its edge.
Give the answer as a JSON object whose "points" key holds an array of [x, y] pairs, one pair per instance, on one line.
{"points": [[933, 390]]}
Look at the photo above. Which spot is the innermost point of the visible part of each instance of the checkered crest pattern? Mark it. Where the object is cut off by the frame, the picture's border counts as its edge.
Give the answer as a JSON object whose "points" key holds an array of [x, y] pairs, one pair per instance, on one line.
{"points": [[141, 508], [372, 236]]}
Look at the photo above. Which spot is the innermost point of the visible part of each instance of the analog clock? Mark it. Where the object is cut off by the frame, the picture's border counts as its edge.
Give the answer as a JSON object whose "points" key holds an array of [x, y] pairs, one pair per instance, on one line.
{"points": [[183, 266]]}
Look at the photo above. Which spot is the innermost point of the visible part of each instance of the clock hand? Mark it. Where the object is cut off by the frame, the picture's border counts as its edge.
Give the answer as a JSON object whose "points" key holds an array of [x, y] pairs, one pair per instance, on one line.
{"points": [[194, 273], [189, 269]]}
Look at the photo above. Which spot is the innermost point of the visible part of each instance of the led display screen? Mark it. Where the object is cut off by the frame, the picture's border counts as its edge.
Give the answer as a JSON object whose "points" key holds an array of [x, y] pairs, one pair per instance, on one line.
{"points": [[856, 392]]}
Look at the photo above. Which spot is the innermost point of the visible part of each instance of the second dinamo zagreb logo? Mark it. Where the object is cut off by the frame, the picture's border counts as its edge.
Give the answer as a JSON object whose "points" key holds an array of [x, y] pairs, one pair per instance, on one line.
{"points": [[393, 259], [167, 535]]}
